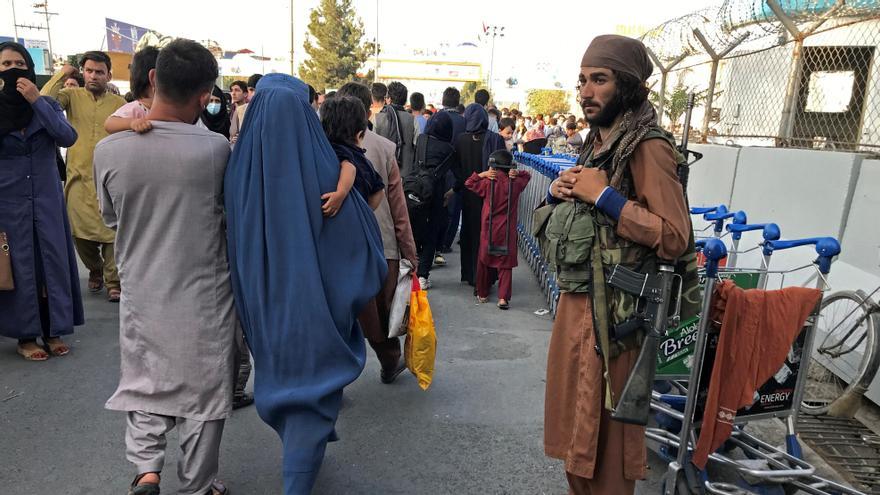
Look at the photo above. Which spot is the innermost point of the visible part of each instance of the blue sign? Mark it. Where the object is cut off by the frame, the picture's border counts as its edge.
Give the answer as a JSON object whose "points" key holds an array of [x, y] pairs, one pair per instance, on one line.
{"points": [[37, 50], [122, 37]]}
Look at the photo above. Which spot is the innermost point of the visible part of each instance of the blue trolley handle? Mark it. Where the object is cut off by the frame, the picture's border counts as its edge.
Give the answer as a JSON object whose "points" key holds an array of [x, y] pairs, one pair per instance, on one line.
{"points": [[720, 215], [771, 230], [699, 210], [714, 251], [826, 247]]}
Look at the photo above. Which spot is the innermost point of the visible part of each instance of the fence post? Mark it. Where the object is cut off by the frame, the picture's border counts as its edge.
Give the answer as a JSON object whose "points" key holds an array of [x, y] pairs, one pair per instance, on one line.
{"points": [[664, 72], [789, 110], [716, 59]]}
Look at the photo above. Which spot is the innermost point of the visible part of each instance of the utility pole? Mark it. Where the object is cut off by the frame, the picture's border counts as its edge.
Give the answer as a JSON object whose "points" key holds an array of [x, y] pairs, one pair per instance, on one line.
{"points": [[45, 6], [376, 46], [46, 13], [14, 22], [493, 32], [292, 66]]}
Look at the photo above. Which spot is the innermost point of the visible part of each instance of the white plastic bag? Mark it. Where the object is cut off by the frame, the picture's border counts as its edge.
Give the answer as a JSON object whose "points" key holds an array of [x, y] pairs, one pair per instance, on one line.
{"points": [[399, 317]]}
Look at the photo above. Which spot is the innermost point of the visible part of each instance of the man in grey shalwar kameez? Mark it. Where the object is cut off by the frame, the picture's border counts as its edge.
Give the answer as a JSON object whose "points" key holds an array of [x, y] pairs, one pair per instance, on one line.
{"points": [[162, 191]]}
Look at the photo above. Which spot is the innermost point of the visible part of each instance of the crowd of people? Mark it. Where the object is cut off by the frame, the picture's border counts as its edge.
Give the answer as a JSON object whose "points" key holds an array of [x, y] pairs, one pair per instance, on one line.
{"points": [[218, 220]]}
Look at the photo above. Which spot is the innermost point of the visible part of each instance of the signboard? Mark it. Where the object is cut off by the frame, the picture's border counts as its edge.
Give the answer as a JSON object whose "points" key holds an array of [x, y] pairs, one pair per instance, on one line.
{"points": [[121, 36], [675, 350], [38, 49]]}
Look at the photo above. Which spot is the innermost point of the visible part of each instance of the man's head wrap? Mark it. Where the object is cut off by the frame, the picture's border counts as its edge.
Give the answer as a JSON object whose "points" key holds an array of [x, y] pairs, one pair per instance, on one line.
{"points": [[619, 53]]}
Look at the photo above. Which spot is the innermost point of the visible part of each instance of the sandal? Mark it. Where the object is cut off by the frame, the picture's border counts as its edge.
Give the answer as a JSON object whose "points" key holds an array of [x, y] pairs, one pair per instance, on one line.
{"points": [[57, 347], [37, 354], [218, 488], [145, 489], [502, 304], [96, 282], [113, 295], [482, 300]]}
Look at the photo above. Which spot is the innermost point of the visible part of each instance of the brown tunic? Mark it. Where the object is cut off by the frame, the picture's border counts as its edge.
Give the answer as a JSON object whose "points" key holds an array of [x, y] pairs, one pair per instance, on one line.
{"points": [[577, 428]]}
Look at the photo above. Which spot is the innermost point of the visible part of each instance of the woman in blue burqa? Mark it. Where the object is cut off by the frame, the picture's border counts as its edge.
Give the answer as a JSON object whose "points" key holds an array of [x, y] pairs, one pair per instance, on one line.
{"points": [[299, 278]]}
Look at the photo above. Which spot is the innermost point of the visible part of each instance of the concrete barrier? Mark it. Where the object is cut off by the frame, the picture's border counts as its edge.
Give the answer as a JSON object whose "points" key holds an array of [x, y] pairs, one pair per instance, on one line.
{"points": [[809, 194], [712, 178]]}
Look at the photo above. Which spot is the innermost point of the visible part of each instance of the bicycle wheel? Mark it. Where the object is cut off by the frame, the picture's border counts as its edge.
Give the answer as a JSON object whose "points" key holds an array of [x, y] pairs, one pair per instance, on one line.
{"points": [[844, 358]]}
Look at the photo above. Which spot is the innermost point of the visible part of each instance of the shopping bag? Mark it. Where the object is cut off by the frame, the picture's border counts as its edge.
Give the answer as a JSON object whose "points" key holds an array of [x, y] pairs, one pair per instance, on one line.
{"points": [[421, 339], [399, 317]]}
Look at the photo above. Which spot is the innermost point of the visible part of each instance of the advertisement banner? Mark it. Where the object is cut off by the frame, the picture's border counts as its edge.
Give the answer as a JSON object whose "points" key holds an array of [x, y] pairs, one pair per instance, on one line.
{"points": [[122, 37]]}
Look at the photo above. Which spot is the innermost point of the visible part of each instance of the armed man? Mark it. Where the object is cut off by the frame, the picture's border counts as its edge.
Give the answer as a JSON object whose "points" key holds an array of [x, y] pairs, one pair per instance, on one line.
{"points": [[623, 204]]}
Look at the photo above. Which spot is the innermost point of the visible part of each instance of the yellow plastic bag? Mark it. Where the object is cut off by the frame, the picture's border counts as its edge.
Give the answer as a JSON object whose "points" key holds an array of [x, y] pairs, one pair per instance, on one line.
{"points": [[421, 339]]}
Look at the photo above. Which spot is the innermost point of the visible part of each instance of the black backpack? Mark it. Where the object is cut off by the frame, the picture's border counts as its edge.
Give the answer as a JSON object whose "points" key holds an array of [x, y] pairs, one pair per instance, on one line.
{"points": [[419, 184]]}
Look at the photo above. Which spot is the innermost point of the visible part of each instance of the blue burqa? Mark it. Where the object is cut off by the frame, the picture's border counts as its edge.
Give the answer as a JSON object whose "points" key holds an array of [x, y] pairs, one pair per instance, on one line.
{"points": [[299, 278]]}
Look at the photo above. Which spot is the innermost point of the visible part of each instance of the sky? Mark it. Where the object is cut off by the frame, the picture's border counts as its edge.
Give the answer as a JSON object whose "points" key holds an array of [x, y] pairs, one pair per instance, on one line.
{"points": [[545, 37]]}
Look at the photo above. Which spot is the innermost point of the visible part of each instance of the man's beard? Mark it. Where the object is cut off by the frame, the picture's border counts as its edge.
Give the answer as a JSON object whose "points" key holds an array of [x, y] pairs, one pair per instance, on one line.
{"points": [[96, 88], [609, 112]]}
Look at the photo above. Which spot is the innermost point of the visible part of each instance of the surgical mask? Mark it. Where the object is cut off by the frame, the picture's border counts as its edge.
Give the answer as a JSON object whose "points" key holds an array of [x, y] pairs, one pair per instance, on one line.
{"points": [[213, 108]]}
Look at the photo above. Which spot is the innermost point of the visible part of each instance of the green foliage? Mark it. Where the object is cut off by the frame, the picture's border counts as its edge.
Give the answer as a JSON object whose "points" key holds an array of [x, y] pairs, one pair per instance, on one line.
{"points": [[547, 101], [675, 104], [335, 45], [470, 89]]}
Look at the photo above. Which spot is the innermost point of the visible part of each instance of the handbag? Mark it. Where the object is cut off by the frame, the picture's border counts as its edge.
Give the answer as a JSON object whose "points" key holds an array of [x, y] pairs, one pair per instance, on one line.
{"points": [[420, 347], [399, 318], [6, 282]]}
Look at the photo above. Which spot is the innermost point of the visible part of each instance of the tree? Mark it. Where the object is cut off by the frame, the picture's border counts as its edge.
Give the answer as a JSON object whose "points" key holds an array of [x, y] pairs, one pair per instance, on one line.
{"points": [[469, 90], [675, 103], [547, 101], [334, 45]]}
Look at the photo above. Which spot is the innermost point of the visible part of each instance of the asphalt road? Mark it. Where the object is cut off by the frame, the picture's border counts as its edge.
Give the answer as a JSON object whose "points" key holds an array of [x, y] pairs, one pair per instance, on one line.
{"points": [[477, 430]]}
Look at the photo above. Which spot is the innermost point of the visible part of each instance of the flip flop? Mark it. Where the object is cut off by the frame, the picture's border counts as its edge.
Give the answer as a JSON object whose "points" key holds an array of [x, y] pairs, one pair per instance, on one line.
{"points": [[33, 355], [58, 348], [96, 283], [503, 305], [145, 489], [113, 295]]}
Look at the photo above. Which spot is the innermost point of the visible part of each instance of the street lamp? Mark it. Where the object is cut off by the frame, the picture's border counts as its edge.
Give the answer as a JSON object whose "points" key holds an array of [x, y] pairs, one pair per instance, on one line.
{"points": [[493, 32]]}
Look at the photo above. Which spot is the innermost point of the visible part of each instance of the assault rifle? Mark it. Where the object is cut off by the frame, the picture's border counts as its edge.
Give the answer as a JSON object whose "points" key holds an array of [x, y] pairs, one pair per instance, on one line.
{"points": [[652, 293], [684, 171]]}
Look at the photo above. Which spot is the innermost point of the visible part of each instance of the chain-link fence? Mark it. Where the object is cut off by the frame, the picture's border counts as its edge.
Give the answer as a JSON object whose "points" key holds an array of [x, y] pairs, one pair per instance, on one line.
{"points": [[796, 73]]}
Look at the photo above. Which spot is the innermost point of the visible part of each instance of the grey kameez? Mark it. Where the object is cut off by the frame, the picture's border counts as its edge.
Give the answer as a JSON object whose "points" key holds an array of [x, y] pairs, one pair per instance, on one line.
{"points": [[177, 316]]}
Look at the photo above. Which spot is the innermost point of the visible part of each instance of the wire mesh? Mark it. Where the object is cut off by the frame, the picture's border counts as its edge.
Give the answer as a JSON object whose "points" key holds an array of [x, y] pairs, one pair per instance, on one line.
{"points": [[805, 74]]}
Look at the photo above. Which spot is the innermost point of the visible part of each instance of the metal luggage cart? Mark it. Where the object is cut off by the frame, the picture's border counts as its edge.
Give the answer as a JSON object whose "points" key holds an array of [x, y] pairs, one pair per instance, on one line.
{"points": [[782, 467]]}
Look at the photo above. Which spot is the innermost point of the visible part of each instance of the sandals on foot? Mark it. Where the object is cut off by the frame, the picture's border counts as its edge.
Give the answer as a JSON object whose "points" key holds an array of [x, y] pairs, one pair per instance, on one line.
{"points": [[96, 282], [218, 488], [145, 489], [37, 354], [57, 347], [502, 304], [113, 295], [482, 300]]}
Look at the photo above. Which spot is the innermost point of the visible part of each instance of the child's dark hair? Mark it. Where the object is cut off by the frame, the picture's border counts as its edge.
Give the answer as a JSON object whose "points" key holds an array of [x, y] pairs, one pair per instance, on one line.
{"points": [[141, 63], [343, 118]]}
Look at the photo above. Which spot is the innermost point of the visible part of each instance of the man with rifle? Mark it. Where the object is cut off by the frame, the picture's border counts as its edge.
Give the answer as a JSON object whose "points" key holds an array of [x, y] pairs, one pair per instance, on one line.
{"points": [[622, 207]]}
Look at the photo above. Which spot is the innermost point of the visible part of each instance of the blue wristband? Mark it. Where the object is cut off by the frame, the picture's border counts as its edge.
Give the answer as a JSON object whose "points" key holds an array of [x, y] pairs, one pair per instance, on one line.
{"points": [[611, 202]]}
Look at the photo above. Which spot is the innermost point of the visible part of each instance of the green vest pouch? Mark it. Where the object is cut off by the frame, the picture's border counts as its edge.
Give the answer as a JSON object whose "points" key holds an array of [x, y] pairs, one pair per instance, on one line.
{"points": [[570, 233]]}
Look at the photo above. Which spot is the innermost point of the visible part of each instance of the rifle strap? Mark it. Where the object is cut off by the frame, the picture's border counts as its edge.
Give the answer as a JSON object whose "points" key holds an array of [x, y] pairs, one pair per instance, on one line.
{"points": [[601, 319]]}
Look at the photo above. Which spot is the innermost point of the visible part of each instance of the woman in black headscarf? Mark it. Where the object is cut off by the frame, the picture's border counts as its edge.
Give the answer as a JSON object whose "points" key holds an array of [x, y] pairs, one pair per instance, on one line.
{"points": [[46, 301], [473, 149], [215, 116], [434, 151]]}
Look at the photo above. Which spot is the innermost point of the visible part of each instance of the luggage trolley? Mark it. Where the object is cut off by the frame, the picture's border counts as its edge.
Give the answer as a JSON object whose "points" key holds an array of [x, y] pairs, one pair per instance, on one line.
{"points": [[781, 467]]}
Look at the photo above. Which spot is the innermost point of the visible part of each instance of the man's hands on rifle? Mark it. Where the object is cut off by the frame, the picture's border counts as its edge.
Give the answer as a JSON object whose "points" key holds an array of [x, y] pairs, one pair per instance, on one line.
{"points": [[585, 184]]}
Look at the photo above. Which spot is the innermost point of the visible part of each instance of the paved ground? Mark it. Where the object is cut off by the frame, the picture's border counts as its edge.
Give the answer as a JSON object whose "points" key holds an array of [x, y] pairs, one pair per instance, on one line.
{"points": [[477, 430]]}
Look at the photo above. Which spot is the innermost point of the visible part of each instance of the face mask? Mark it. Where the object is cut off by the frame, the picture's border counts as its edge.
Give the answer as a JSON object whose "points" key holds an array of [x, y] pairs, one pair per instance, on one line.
{"points": [[8, 80], [213, 108]]}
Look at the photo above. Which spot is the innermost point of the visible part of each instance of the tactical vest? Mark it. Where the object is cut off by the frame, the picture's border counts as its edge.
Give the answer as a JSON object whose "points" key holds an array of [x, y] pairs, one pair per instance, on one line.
{"points": [[573, 227]]}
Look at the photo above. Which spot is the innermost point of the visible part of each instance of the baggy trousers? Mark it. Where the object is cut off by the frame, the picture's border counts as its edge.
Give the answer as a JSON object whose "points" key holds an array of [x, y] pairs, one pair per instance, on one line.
{"points": [[197, 467], [486, 276], [99, 258], [374, 321]]}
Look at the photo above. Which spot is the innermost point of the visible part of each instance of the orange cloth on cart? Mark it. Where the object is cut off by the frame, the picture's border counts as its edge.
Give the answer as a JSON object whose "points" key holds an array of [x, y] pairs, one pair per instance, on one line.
{"points": [[758, 328]]}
